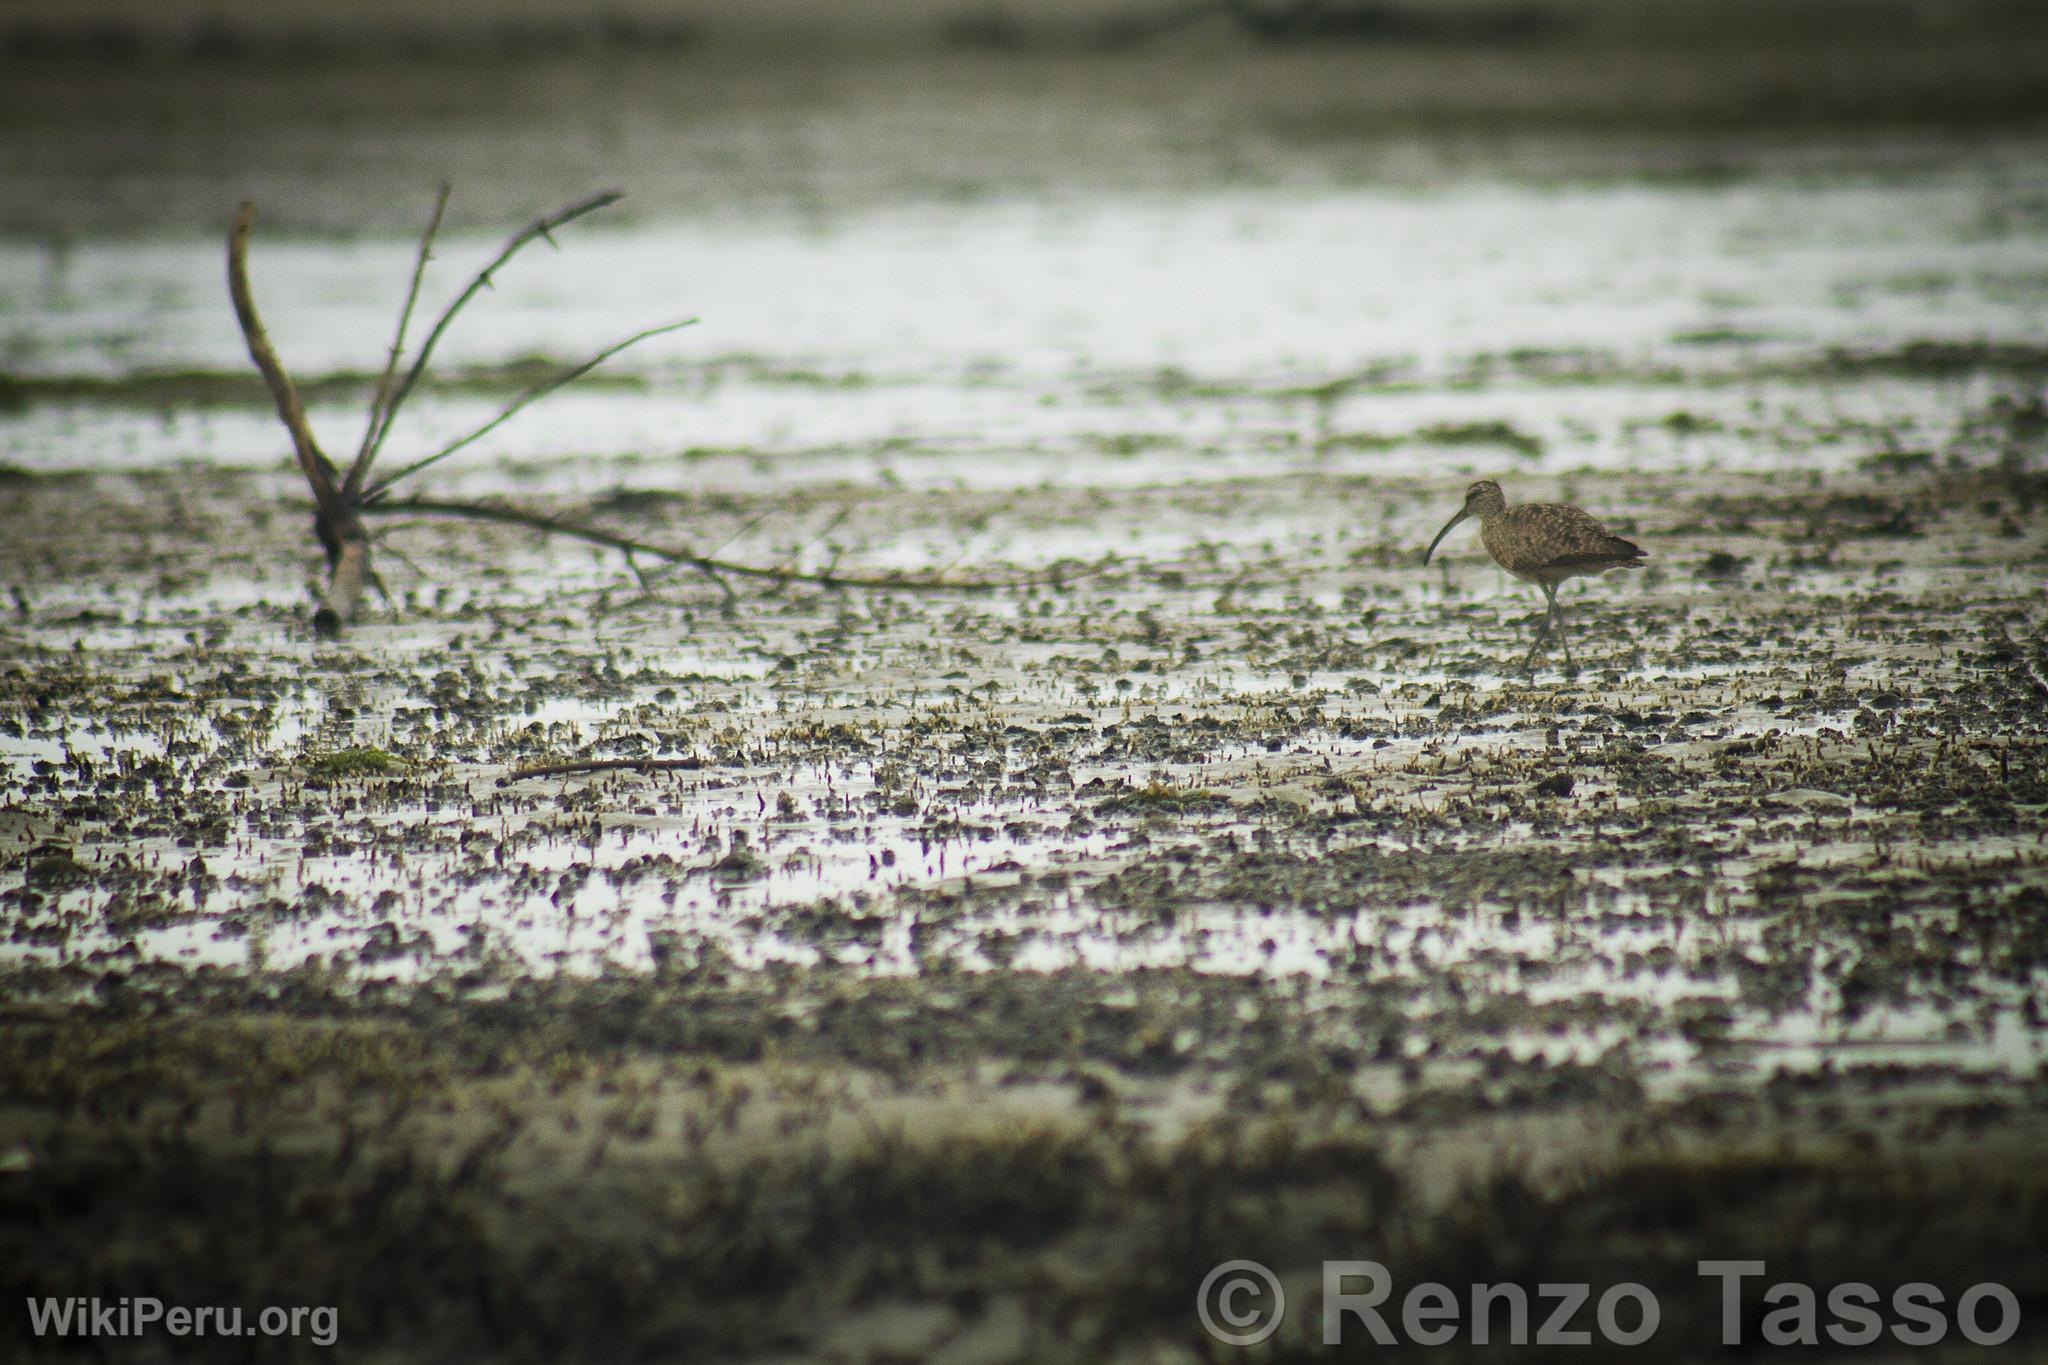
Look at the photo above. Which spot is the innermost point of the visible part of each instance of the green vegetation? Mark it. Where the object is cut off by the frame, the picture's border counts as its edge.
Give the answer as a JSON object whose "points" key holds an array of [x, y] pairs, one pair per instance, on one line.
{"points": [[338, 764]]}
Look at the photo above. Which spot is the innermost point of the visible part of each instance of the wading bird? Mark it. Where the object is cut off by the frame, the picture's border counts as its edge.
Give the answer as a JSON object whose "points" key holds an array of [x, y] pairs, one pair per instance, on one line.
{"points": [[1542, 543]]}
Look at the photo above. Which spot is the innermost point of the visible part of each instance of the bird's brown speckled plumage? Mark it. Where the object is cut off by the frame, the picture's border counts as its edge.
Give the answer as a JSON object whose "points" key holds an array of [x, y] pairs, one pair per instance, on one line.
{"points": [[1543, 543]]}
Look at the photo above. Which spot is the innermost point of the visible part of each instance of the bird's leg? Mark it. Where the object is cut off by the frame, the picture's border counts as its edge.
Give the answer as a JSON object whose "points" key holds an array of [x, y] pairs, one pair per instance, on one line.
{"points": [[1542, 631], [1555, 622]]}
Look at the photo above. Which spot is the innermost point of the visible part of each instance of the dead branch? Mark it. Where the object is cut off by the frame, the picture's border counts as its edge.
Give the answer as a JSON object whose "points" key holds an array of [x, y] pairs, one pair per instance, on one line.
{"points": [[539, 228], [340, 504], [335, 522], [603, 765], [513, 516]]}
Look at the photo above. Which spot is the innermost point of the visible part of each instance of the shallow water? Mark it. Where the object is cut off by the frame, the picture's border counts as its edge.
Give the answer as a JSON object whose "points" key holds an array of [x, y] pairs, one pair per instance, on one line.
{"points": [[1226, 328]]}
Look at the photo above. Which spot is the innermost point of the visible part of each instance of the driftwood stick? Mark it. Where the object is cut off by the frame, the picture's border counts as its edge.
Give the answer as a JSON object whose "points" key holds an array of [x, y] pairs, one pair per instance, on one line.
{"points": [[335, 521], [513, 516], [524, 400], [603, 765], [539, 228], [379, 402]]}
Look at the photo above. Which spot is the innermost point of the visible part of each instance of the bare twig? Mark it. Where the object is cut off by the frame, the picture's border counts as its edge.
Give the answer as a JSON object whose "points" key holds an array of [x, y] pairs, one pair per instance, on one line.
{"points": [[539, 228], [379, 410], [531, 396], [796, 552], [603, 765], [751, 523], [513, 516]]}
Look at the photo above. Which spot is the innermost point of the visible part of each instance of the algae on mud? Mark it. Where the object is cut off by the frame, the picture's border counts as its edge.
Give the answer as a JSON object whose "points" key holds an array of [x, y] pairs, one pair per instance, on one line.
{"points": [[998, 965]]}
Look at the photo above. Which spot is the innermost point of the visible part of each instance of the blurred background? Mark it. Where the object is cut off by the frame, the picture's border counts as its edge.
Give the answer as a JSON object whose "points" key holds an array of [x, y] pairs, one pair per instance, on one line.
{"points": [[152, 116], [921, 233], [141, 24]]}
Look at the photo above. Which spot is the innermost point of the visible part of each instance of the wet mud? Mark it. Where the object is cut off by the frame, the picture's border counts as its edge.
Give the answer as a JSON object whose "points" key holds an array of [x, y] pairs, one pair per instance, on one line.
{"points": [[1093, 924]]}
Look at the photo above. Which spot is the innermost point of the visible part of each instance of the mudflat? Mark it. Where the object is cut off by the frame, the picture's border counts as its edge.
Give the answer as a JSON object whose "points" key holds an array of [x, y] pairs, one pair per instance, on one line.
{"points": [[988, 963]]}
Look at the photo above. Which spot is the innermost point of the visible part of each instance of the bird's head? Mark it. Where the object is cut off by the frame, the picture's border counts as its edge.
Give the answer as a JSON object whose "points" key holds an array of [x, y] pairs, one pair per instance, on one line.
{"points": [[1482, 499]]}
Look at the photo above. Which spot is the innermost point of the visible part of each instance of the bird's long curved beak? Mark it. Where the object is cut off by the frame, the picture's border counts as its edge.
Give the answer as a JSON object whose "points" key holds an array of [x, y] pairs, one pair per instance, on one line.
{"points": [[1462, 514]]}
